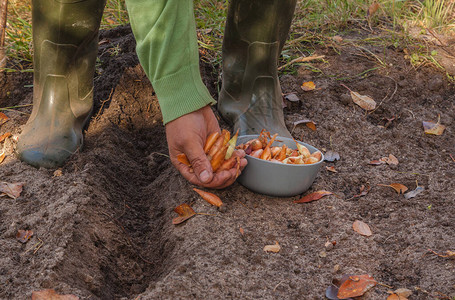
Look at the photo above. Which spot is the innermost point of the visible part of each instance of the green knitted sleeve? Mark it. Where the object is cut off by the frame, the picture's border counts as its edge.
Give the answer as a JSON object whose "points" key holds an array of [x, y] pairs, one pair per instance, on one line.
{"points": [[167, 48]]}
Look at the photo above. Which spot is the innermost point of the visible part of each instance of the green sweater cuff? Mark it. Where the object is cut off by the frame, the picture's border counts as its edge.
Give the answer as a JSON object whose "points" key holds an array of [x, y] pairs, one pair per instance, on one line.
{"points": [[181, 93]]}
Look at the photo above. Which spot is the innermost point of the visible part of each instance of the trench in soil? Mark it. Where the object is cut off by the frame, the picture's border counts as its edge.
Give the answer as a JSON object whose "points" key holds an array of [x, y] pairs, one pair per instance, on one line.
{"points": [[125, 249]]}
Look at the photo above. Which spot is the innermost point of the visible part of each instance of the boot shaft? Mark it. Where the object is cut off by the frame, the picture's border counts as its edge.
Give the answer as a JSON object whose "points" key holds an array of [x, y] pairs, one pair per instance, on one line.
{"points": [[65, 41]]}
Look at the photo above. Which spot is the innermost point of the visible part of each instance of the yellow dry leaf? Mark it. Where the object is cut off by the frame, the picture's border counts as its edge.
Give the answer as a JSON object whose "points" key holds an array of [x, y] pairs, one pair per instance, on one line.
{"points": [[3, 118], [362, 228], [391, 160], [365, 102], [433, 128], [398, 187], [308, 86], [272, 248]]}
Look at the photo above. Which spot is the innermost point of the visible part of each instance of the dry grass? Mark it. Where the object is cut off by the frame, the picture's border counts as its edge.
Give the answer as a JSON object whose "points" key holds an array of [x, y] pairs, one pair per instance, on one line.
{"points": [[315, 21]]}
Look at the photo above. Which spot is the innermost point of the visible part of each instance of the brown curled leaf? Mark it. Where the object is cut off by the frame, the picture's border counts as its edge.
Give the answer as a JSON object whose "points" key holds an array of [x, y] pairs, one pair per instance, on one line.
{"points": [[398, 187], [356, 286], [24, 235], [313, 196], [185, 212], [3, 118], [12, 190]]}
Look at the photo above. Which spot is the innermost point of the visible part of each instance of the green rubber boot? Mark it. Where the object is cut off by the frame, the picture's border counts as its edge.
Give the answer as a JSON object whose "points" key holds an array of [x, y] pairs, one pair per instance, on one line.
{"points": [[65, 41], [250, 97]]}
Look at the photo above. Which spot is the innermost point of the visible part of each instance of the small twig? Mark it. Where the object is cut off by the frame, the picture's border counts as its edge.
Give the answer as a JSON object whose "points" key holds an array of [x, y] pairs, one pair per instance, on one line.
{"points": [[440, 255], [244, 204], [205, 214], [342, 84], [19, 112], [444, 44], [35, 247], [39, 246], [430, 294], [385, 285], [301, 59], [3, 16], [16, 106], [452, 157], [162, 154], [411, 113], [279, 283], [103, 102]]}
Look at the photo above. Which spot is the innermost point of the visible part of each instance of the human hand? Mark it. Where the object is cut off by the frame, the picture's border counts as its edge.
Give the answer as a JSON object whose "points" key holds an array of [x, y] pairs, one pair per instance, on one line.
{"points": [[187, 135]]}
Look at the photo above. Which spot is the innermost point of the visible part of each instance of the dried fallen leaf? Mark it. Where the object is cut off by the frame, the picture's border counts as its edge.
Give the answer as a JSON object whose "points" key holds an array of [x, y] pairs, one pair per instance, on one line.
{"points": [[372, 9], [365, 102], [2, 157], [58, 173], [51, 295], [4, 136], [363, 191], [308, 86], [356, 286], [331, 156], [310, 124], [431, 127], [376, 162], [242, 232], [185, 212], [414, 193], [24, 235], [209, 197], [313, 196], [396, 297], [403, 292], [332, 291], [398, 187], [337, 39], [292, 97], [12, 190], [272, 248], [391, 160], [3, 118], [361, 228], [331, 169]]}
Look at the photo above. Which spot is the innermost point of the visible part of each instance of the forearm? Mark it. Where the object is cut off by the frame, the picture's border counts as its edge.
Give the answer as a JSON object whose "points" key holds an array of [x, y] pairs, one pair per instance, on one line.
{"points": [[165, 33]]}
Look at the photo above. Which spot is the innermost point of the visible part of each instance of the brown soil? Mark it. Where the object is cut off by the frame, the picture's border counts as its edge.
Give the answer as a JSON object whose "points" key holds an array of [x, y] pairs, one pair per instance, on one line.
{"points": [[106, 224]]}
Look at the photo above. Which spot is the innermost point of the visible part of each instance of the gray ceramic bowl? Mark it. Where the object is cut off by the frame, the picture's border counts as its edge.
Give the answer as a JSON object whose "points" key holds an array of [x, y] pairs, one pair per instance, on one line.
{"points": [[276, 179]]}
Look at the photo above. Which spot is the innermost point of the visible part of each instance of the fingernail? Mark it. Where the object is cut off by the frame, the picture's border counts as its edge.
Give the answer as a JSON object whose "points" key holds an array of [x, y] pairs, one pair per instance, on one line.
{"points": [[204, 176]]}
